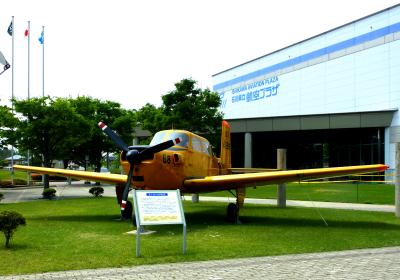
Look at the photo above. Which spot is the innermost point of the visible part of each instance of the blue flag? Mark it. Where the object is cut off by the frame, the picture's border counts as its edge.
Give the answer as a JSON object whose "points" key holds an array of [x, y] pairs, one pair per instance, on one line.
{"points": [[10, 29], [41, 38]]}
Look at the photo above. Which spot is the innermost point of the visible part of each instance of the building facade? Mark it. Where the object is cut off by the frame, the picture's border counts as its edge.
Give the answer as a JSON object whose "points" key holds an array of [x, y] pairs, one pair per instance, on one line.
{"points": [[330, 100]]}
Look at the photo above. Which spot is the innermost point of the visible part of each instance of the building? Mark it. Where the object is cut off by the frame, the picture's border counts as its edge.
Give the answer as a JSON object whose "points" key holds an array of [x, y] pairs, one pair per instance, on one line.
{"points": [[15, 159], [331, 100]]}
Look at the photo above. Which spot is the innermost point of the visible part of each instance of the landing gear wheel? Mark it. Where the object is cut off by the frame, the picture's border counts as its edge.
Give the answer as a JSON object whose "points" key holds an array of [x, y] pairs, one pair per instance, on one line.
{"points": [[232, 213], [127, 213]]}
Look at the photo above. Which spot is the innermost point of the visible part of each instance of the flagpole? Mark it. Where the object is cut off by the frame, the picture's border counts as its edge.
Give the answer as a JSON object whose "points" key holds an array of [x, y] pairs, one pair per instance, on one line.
{"points": [[12, 66], [12, 95], [29, 93], [43, 58], [41, 40], [29, 58]]}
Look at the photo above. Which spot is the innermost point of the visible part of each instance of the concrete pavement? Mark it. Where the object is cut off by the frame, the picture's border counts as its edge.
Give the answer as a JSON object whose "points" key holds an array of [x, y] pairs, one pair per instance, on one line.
{"points": [[382, 263]]}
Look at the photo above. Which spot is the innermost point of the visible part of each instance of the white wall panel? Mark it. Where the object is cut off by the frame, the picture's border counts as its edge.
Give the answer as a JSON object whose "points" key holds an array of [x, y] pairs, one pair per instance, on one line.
{"points": [[352, 76]]}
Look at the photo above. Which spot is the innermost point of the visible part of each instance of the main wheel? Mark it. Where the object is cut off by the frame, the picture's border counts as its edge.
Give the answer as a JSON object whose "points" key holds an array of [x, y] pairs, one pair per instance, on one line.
{"points": [[231, 213]]}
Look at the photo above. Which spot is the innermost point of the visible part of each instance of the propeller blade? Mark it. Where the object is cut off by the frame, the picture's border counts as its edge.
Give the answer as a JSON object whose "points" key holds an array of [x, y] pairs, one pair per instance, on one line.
{"points": [[114, 137], [126, 191], [3, 59], [160, 147]]}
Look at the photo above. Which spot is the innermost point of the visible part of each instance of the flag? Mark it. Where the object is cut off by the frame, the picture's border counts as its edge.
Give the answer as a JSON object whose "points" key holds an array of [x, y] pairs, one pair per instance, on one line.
{"points": [[3, 59], [26, 32], [41, 38], [10, 29]]}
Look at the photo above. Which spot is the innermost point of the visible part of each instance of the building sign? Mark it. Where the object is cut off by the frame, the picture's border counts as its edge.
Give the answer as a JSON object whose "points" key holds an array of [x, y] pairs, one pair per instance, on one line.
{"points": [[349, 69], [252, 92]]}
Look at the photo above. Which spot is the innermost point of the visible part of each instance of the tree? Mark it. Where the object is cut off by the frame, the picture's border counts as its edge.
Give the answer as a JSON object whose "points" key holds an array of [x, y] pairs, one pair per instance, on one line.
{"points": [[4, 153], [48, 128], [7, 123], [187, 107], [194, 109], [96, 143], [9, 222], [152, 118]]}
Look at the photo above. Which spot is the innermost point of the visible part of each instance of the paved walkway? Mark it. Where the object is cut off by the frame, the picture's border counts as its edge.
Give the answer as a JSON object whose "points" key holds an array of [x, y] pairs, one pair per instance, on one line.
{"points": [[382, 263]]}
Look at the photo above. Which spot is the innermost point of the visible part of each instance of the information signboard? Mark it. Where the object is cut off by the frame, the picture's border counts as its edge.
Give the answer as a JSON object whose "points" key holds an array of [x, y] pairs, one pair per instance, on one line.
{"points": [[158, 207]]}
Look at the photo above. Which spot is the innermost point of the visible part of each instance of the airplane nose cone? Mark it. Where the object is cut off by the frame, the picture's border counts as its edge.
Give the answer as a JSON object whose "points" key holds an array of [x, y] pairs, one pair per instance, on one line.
{"points": [[132, 156]]}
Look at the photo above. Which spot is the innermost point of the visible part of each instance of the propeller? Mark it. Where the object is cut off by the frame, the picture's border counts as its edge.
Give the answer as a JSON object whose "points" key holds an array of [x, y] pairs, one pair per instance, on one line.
{"points": [[4, 62], [134, 157]]}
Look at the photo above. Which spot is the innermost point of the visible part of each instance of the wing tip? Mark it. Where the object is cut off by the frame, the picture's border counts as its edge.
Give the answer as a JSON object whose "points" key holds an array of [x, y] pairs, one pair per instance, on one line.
{"points": [[383, 167]]}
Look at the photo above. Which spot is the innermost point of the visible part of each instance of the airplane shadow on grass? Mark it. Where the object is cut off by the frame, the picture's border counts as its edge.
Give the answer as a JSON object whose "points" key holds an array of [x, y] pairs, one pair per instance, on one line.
{"points": [[317, 223], [78, 218], [215, 216]]}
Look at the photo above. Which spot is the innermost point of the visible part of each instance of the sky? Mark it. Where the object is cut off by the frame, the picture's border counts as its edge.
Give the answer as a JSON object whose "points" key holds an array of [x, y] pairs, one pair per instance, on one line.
{"points": [[132, 52]]}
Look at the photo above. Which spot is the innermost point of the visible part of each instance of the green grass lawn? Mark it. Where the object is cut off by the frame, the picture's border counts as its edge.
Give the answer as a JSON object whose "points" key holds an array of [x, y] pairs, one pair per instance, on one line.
{"points": [[373, 193], [6, 174], [83, 233]]}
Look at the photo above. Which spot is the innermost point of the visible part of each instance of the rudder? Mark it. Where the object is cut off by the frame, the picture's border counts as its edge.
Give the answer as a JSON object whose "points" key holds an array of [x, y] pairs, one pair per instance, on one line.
{"points": [[225, 148]]}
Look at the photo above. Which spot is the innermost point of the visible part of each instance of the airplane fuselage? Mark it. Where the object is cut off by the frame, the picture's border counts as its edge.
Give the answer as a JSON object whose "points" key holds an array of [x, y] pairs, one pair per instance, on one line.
{"points": [[192, 158]]}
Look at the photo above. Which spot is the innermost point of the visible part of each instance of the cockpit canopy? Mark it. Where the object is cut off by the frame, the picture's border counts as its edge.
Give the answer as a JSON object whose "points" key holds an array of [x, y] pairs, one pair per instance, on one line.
{"points": [[188, 140], [166, 135]]}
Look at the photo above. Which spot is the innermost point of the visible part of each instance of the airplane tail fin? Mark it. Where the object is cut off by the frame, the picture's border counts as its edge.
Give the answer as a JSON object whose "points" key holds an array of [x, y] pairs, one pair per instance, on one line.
{"points": [[225, 147]]}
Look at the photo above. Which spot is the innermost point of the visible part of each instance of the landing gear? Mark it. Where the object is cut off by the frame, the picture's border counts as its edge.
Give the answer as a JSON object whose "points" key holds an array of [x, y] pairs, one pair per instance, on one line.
{"points": [[232, 211]]}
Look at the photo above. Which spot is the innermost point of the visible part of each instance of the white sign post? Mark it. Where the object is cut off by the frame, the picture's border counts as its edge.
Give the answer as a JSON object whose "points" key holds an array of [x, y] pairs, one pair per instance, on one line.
{"points": [[161, 207]]}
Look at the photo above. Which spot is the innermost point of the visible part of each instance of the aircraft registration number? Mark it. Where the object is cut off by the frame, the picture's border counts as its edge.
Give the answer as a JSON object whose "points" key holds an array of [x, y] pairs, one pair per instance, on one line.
{"points": [[166, 159]]}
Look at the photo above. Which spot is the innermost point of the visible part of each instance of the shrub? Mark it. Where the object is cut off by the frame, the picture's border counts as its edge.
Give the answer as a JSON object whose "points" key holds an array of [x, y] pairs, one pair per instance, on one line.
{"points": [[9, 222], [49, 193], [96, 191], [5, 183], [1, 196], [38, 177], [19, 182]]}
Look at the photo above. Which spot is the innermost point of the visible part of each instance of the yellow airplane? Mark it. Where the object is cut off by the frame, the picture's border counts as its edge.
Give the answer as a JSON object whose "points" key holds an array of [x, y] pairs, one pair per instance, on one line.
{"points": [[179, 159]]}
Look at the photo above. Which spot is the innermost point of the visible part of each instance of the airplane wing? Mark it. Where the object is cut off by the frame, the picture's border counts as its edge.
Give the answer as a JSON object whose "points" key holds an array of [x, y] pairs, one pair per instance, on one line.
{"points": [[237, 170], [225, 182], [84, 175]]}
